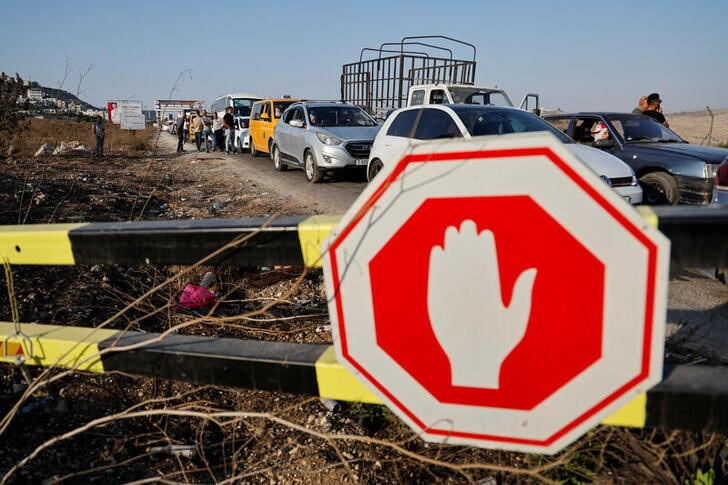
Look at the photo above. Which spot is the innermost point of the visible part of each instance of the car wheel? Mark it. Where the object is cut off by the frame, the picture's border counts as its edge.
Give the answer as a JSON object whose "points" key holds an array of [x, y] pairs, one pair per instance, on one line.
{"points": [[660, 188], [313, 172], [239, 145], [277, 163], [374, 169], [253, 152]]}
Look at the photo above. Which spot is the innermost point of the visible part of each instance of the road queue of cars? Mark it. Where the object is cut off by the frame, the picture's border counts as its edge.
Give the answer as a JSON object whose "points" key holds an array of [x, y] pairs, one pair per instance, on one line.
{"points": [[322, 137], [241, 103], [264, 117], [416, 124], [670, 169]]}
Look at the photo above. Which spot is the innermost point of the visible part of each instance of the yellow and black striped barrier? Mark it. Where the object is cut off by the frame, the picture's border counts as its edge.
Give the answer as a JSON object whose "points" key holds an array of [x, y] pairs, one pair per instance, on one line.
{"points": [[689, 397], [697, 235], [294, 240]]}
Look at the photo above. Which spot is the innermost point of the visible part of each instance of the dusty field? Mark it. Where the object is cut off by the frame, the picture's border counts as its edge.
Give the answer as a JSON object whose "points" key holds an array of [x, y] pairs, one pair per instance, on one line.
{"points": [[695, 126], [273, 437]]}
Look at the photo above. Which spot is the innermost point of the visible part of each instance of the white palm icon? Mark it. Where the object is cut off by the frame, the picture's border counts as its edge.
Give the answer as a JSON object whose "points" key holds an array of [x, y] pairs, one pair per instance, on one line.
{"points": [[464, 300]]}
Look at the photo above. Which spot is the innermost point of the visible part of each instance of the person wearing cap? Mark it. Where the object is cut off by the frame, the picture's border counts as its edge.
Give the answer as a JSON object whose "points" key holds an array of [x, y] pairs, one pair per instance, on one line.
{"points": [[654, 109], [641, 106]]}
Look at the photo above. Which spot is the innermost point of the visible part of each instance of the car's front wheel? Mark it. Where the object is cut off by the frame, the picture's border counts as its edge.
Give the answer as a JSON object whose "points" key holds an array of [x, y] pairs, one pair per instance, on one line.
{"points": [[374, 167], [277, 163], [660, 188], [313, 172], [253, 152]]}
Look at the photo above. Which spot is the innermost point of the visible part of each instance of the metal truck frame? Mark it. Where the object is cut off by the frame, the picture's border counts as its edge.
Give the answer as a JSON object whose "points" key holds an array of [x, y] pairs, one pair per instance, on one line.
{"points": [[381, 83]]}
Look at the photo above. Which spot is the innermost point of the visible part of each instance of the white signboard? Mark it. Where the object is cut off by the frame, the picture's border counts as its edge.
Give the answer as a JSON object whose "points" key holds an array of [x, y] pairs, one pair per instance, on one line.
{"points": [[495, 292], [129, 115], [132, 122]]}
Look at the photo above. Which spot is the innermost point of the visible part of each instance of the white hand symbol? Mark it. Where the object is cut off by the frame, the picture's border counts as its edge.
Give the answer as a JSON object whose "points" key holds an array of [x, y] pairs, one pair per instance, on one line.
{"points": [[475, 329]]}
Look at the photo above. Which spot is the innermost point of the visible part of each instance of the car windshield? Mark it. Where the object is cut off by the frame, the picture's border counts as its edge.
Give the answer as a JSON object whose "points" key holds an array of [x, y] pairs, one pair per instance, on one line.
{"points": [[241, 106], [641, 129], [479, 96], [339, 116], [280, 106], [494, 121]]}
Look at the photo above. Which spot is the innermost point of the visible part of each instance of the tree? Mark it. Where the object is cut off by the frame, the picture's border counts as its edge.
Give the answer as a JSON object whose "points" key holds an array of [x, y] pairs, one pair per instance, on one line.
{"points": [[11, 120]]}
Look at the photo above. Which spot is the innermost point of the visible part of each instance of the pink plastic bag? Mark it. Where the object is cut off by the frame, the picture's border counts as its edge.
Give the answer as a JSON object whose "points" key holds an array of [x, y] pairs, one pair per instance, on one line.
{"points": [[194, 296]]}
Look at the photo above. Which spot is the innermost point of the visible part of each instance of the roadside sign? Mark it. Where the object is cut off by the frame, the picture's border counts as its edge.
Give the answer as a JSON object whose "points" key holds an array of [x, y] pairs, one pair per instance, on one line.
{"points": [[495, 292]]}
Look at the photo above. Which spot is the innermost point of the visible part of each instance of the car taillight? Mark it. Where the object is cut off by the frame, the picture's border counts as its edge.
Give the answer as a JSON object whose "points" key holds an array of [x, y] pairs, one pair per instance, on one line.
{"points": [[721, 175]]}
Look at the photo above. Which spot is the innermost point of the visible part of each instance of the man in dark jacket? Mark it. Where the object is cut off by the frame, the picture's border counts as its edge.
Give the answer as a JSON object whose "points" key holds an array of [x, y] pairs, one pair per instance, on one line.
{"points": [[229, 123], [654, 109], [179, 126]]}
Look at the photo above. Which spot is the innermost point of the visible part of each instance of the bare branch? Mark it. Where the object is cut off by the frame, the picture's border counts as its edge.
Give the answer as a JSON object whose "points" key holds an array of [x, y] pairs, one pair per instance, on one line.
{"points": [[82, 76], [65, 73]]}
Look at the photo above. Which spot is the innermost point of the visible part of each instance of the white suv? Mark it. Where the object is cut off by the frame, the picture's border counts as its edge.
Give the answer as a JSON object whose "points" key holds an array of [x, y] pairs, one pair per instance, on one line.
{"points": [[414, 124]]}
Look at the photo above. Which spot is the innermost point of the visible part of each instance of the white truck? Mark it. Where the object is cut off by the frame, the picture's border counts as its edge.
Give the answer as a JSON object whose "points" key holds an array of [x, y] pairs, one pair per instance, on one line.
{"points": [[445, 93]]}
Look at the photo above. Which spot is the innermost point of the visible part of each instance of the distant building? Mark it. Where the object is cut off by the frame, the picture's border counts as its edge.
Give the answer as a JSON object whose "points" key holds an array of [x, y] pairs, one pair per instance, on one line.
{"points": [[35, 94], [168, 108]]}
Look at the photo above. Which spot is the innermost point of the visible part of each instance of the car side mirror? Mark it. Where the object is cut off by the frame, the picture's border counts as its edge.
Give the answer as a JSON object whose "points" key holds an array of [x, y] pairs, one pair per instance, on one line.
{"points": [[536, 111], [604, 143], [265, 117], [296, 123]]}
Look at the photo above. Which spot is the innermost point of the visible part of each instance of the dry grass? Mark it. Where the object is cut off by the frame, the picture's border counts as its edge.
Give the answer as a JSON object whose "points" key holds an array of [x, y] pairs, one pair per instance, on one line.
{"points": [[56, 131], [694, 126]]}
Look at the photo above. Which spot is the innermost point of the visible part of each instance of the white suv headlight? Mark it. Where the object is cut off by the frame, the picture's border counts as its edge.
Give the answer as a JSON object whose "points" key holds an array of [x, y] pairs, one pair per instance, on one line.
{"points": [[328, 139]]}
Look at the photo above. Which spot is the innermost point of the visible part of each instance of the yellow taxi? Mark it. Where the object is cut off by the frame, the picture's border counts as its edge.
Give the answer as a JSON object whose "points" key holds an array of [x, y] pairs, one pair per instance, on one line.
{"points": [[264, 116]]}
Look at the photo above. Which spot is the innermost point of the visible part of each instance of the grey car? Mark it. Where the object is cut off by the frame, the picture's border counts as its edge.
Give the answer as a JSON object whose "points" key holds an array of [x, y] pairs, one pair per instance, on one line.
{"points": [[322, 137], [670, 169]]}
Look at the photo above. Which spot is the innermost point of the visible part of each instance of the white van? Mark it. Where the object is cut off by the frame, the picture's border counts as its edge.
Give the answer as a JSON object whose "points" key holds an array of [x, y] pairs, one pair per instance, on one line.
{"points": [[241, 104]]}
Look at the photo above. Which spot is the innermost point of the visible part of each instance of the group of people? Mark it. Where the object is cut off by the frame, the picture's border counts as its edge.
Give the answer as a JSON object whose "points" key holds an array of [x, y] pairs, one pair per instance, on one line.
{"points": [[208, 130], [651, 105]]}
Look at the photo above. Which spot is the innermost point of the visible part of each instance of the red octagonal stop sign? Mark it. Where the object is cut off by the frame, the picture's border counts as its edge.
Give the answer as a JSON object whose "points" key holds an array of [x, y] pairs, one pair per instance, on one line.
{"points": [[496, 292]]}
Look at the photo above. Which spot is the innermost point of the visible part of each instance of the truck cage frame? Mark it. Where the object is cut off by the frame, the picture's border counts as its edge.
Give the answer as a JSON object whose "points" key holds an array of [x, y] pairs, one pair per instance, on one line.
{"points": [[381, 83]]}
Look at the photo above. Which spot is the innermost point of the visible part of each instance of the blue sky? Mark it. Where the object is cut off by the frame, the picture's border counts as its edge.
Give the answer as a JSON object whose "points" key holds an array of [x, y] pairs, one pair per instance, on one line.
{"points": [[577, 55]]}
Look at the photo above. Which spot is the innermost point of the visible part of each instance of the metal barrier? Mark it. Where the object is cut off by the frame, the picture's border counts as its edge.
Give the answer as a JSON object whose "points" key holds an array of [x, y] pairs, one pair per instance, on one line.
{"points": [[697, 235], [691, 397]]}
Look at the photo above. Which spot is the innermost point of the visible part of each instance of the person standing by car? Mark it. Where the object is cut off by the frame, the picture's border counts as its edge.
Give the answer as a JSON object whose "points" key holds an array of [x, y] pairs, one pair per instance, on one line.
{"points": [[180, 128], [217, 136], [197, 127], [186, 128], [641, 106], [654, 109], [229, 123], [206, 130]]}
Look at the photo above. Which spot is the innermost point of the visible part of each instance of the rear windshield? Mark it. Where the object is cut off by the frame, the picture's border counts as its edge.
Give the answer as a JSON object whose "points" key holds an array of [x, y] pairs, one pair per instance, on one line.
{"points": [[339, 116], [494, 121], [241, 106], [479, 96]]}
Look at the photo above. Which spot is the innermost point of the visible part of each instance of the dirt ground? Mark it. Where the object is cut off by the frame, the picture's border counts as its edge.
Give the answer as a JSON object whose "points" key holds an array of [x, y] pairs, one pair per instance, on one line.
{"points": [[150, 430], [694, 126]]}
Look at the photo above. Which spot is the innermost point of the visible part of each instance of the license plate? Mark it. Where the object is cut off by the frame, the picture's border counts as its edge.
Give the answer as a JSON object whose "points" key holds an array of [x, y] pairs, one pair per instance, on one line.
{"points": [[361, 161]]}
